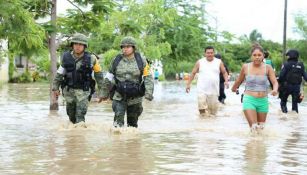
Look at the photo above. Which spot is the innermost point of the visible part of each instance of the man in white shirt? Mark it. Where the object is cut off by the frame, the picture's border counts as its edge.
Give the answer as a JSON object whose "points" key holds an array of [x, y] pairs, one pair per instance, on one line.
{"points": [[208, 69]]}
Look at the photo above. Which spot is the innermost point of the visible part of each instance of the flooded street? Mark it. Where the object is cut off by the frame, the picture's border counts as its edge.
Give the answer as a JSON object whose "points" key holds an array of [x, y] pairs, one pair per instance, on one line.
{"points": [[171, 138]]}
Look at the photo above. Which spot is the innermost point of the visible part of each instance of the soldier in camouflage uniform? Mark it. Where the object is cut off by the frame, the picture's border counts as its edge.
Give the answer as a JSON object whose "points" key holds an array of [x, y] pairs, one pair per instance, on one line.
{"points": [[75, 77], [128, 71]]}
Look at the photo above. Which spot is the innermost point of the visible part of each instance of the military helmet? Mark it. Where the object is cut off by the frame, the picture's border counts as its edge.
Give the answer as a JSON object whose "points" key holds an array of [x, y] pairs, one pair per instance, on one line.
{"points": [[218, 56], [80, 39], [292, 53], [128, 41]]}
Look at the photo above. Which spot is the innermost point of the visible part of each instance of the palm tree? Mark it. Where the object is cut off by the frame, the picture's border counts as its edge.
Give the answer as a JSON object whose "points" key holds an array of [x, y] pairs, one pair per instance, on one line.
{"points": [[255, 36]]}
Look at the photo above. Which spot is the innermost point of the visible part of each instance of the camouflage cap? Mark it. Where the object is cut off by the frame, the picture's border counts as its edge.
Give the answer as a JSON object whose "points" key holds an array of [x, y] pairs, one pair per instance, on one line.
{"points": [[128, 41], [80, 39]]}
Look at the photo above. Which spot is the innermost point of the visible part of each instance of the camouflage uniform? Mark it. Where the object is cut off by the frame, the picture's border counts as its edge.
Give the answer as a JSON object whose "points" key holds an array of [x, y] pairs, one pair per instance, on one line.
{"points": [[127, 70], [77, 99]]}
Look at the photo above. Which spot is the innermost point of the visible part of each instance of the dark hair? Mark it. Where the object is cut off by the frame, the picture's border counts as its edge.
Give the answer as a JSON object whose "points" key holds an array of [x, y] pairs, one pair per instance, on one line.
{"points": [[208, 48], [219, 56], [266, 54], [256, 46]]}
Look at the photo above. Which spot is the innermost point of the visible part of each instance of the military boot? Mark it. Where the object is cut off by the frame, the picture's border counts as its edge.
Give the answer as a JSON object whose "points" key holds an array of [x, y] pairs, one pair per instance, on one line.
{"points": [[284, 109], [119, 121], [72, 119], [295, 109], [132, 122]]}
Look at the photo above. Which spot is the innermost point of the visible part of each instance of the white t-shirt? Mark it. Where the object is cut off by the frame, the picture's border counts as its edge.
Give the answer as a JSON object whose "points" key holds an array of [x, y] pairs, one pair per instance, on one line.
{"points": [[209, 76]]}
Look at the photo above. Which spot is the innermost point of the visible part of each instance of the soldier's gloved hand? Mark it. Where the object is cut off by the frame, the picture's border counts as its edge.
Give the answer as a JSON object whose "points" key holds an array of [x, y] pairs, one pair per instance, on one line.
{"points": [[149, 97], [56, 93]]}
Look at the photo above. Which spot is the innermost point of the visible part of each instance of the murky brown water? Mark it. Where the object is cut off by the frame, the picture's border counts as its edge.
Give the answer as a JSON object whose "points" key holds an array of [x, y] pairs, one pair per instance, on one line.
{"points": [[171, 138]]}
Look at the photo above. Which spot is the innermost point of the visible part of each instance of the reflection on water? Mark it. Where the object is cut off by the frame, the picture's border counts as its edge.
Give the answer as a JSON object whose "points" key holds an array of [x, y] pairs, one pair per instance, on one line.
{"points": [[171, 139], [255, 156]]}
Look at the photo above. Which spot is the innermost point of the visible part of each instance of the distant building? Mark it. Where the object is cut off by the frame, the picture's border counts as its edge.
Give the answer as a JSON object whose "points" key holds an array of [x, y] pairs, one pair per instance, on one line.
{"points": [[21, 63]]}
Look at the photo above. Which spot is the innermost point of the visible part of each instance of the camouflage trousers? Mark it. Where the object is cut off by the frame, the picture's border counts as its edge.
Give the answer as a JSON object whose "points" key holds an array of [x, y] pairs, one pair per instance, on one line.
{"points": [[76, 104], [133, 113]]}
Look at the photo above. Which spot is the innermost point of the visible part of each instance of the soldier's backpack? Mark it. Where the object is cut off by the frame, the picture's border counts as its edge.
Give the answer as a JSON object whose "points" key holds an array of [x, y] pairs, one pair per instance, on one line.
{"points": [[294, 76]]}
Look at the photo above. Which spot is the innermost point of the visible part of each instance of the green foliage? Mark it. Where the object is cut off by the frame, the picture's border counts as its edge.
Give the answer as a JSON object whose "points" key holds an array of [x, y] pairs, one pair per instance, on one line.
{"points": [[255, 36], [186, 39], [23, 78], [301, 23], [35, 76], [234, 55], [276, 57], [161, 77], [39, 8], [170, 70], [174, 31], [11, 66], [301, 46], [19, 28], [43, 64], [3, 54], [97, 7], [108, 57], [75, 21]]}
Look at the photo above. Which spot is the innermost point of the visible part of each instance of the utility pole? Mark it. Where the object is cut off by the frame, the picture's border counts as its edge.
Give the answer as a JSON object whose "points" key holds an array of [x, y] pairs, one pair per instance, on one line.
{"points": [[285, 32]]}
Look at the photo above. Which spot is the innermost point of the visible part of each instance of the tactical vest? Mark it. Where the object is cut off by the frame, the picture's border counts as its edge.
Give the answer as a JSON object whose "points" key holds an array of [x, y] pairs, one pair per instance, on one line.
{"points": [[128, 88], [294, 75], [77, 78]]}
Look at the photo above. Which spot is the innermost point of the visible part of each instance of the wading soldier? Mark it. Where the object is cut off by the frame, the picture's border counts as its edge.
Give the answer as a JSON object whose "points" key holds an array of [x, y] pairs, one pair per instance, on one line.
{"points": [[75, 77]]}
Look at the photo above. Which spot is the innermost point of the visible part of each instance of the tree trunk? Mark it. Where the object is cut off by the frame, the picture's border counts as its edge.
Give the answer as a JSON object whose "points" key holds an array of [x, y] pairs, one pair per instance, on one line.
{"points": [[11, 66], [54, 105], [27, 64], [11, 62]]}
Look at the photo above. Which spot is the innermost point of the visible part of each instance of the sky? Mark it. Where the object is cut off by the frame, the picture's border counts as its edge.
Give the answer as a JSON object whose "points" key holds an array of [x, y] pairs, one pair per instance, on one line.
{"points": [[240, 17]]}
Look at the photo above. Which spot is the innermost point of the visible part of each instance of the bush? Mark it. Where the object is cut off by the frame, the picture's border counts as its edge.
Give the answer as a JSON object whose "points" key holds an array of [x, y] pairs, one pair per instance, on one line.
{"points": [[35, 76], [108, 57], [23, 78], [161, 77], [171, 70]]}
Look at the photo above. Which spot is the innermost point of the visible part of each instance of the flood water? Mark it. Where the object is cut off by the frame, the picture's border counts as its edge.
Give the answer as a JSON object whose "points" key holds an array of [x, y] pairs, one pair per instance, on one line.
{"points": [[171, 138]]}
